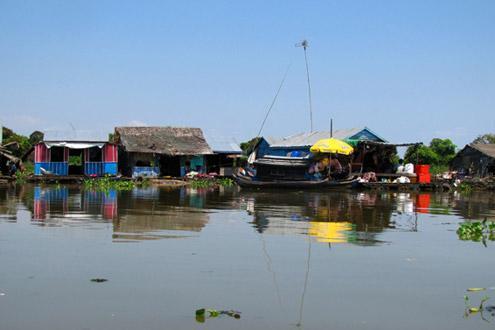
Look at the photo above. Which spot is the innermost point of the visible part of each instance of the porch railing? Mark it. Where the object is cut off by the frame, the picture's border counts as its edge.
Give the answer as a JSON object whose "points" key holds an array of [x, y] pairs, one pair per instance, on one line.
{"points": [[94, 168], [55, 168]]}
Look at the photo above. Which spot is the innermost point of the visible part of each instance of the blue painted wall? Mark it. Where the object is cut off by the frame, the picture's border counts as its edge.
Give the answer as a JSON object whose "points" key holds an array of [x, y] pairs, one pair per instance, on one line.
{"points": [[62, 168], [197, 164], [57, 168]]}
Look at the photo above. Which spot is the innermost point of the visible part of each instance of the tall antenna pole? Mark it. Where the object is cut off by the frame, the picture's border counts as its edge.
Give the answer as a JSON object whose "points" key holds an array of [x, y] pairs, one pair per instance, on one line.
{"points": [[305, 44]]}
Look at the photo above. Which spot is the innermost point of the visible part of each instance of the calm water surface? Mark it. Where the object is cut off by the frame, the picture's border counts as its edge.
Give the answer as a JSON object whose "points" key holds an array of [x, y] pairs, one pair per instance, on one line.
{"points": [[284, 259]]}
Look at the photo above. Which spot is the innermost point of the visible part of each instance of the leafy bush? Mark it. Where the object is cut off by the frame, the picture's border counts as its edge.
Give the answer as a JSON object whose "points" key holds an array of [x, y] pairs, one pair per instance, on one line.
{"points": [[440, 152], [28, 170]]}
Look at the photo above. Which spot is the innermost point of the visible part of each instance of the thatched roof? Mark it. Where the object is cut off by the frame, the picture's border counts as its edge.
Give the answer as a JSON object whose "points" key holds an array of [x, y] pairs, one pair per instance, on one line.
{"points": [[172, 141], [487, 149]]}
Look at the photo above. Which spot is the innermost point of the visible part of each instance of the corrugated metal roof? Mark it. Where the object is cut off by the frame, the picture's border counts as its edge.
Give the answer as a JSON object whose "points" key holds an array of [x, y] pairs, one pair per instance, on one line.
{"points": [[173, 141], [222, 144], [75, 136], [308, 139], [487, 149]]}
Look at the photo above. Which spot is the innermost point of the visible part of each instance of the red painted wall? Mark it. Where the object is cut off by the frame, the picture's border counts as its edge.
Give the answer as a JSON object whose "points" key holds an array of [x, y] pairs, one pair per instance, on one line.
{"points": [[41, 153], [110, 153]]}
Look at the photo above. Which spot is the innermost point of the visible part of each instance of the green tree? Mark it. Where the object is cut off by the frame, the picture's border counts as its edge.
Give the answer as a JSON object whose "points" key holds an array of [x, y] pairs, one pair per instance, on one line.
{"points": [[445, 150], [248, 147], [440, 152], [21, 142], [421, 154], [36, 137], [485, 139]]}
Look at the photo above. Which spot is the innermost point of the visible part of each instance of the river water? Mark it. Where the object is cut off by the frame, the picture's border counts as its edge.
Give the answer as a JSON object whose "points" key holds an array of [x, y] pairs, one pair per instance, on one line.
{"points": [[283, 259]]}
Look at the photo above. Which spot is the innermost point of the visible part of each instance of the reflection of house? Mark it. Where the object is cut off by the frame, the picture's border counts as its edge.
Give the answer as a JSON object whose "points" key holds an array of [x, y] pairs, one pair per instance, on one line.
{"points": [[63, 202], [136, 225], [75, 156], [329, 217], [475, 159], [153, 151]]}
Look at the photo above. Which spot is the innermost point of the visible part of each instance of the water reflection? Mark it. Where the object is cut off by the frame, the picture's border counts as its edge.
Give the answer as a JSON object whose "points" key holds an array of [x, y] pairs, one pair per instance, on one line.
{"points": [[334, 217], [246, 250], [327, 217], [62, 202]]}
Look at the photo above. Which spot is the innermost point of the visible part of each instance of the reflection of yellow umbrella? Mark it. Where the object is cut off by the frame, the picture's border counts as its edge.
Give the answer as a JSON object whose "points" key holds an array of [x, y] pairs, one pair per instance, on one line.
{"points": [[330, 232], [333, 146]]}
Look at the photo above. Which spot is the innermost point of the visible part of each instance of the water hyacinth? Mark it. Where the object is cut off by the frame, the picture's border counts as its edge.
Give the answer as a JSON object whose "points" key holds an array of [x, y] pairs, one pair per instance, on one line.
{"points": [[106, 183], [210, 183], [479, 231]]}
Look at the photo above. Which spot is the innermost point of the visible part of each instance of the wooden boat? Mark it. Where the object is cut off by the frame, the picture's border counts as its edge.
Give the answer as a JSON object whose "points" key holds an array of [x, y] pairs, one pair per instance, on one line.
{"points": [[247, 181], [250, 182]]}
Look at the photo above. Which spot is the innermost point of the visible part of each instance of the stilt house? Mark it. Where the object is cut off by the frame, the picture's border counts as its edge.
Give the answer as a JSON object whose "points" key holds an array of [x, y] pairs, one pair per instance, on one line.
{"points": [[75, 156], [165, 151]]}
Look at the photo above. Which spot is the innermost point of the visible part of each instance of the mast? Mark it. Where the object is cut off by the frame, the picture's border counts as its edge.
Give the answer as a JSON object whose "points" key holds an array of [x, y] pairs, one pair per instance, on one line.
{"points": [[305, 44]]}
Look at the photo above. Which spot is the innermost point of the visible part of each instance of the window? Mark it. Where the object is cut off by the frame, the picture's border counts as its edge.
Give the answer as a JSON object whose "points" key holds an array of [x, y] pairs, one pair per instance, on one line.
{"points": [[95, 154], [57, 154]]}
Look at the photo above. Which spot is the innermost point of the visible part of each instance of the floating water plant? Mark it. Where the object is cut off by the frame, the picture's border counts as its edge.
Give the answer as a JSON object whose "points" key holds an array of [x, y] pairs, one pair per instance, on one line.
{"points": [[203, 313], [209, 182], [480, 309], [99, 280], [107, 183], [479, 231]]}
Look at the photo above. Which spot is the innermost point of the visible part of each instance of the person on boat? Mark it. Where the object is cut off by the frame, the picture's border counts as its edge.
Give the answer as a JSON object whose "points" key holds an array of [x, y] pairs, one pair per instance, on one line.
{"points": [[318, 169], [335, 168]]}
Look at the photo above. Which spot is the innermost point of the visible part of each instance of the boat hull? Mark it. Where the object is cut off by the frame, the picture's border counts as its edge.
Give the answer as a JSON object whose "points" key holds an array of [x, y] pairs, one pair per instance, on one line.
{"points": [[248, 182]]}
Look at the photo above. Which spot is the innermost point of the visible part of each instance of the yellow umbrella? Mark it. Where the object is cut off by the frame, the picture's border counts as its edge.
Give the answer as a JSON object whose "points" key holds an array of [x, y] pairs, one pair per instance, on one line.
{"points": [[332, 146]]}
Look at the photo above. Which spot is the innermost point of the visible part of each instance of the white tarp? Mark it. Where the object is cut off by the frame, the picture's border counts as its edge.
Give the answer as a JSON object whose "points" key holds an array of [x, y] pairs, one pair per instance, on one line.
{"points": [[75, 145]]}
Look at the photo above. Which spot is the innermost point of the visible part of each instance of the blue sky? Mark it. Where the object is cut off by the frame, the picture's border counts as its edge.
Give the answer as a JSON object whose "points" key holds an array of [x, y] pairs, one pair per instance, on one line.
{"points": [[409, 70]]}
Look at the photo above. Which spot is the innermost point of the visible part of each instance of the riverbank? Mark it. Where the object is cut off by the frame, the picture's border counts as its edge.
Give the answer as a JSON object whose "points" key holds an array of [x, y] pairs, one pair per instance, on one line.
{"points": [[478, 184], [467, 184]]}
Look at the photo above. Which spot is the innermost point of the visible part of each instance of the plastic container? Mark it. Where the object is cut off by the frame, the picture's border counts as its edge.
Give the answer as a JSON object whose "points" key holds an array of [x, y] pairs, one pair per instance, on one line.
{"points": [[424, 178], [422, 169]]}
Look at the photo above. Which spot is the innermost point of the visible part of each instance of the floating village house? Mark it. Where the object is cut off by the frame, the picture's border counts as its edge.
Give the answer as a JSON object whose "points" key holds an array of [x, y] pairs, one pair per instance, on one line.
{"points": [[371, 151], [299, 144], [75, 153], [166, 151], [475, 159], [226, 151]]}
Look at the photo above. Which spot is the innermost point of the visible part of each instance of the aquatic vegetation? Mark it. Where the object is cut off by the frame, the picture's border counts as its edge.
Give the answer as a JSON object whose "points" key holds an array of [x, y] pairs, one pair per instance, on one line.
{"points": [[225, 182], [202, 314], [22, 176], [210, 182], [476, 309], [107, 183], [201, 183], [465, 188], [99, 280], [479, 231]]}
